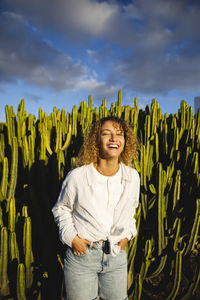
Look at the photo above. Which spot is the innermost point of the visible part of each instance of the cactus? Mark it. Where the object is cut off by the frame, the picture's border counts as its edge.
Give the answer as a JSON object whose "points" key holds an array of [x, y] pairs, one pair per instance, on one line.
{"points": [[10, 123], [21, 290], [195, 229], [169, 169], [11, 215], [14, 168], [4, 283], [4, 180], [161, 238], [119, 104], [132, 247], [138, 287], [27, 244], [177, 235], [25, 151], [160, 266], [31, 150], [21, 125], [177, 278], [25, 211], [74, 121], [13, 247], [68, 139], [147, 259]]}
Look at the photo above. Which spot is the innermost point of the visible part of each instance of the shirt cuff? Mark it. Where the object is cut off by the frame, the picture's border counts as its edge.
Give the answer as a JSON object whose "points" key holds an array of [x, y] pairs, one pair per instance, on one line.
{"points": [[130, 234], [68, 236]]}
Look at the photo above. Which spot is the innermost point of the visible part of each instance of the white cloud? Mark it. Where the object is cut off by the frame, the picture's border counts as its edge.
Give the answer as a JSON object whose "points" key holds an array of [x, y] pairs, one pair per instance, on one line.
{"points": [[161, 38], [25, 56], [98, 88], [79, 20], [93, 17]]}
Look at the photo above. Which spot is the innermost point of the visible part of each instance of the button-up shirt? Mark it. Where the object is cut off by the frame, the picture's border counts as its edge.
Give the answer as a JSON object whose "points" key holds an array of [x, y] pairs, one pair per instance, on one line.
{"points": [[98, 207]]}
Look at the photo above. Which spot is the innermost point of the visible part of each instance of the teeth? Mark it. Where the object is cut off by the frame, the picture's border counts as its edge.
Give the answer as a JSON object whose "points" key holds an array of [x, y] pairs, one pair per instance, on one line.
{"points": [[113, 146]]}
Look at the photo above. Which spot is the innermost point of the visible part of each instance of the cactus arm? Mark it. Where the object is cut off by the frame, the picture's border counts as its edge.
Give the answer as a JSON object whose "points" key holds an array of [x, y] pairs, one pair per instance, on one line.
{"points": [[4, 180], [14, 168], [132, 247], [147, 259], [11, 215], [4, 284], [177, 279], [160, 212], [74, 121], [160, 266], [68, 139], [13, 247], [138, 288], [177, 235], [195, 229], [28, 252], [21, 290]]}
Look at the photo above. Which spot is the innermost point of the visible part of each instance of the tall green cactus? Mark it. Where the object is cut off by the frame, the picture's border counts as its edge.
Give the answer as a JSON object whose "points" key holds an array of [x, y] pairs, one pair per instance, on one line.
{"points": [[13, 171], [21, 289], [169, 169], [195, 229], [177, 277], [10, 118], [4, 180], [13, 247], [11, 215], [161, 208], [4, 283], [74, 121], [27, 244], [132, 248], [147, 259]]}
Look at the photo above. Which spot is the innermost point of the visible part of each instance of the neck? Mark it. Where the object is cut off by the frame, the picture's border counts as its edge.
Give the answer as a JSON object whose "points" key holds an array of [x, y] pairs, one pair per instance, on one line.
{"points": [[107, 167]]}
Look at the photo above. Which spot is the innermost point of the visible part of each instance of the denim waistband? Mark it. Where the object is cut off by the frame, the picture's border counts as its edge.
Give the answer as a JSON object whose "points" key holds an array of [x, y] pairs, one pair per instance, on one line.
{"points": [[99, 244], [104, 245]]}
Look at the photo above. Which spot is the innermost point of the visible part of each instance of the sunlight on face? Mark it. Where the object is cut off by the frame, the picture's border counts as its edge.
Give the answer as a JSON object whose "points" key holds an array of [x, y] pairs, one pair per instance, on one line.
{"points": [[111, 140]]}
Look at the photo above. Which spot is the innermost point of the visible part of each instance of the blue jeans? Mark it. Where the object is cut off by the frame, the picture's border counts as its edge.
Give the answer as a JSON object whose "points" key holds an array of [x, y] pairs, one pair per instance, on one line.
{"points": [[95, 274]]}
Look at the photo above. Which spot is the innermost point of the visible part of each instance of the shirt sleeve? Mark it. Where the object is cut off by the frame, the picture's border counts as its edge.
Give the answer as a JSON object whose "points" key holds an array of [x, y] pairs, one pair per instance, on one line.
{"points": [[132, 232], [62, 212]]}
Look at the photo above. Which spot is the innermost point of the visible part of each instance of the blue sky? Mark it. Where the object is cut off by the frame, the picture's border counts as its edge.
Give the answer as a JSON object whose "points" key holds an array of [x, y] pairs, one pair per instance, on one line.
{"points": [[57, 52]]}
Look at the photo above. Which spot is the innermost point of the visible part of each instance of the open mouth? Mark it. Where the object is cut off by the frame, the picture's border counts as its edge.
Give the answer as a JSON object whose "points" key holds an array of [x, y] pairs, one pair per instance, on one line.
{"points": [[113, 146]]}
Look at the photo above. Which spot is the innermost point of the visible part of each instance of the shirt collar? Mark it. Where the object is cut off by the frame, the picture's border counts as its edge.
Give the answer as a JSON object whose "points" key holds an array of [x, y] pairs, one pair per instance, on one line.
{"points": [[90, 173]]}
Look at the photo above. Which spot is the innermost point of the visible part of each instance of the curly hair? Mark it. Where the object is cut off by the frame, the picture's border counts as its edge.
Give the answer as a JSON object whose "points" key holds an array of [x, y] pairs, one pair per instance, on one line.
{"points": [[89, 151]]}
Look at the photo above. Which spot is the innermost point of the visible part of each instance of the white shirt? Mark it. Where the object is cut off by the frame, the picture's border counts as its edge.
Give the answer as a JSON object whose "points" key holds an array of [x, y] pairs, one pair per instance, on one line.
{"points": [[98, 207]]}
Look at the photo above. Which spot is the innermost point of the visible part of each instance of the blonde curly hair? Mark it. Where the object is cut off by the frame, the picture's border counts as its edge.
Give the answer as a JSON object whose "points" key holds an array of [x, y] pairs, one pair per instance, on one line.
{"points": [[90, 150]]}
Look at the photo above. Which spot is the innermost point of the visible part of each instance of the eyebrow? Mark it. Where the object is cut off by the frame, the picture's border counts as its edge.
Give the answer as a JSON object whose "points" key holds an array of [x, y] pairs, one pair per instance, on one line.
{"points": [[105, 129], [111, 130]]}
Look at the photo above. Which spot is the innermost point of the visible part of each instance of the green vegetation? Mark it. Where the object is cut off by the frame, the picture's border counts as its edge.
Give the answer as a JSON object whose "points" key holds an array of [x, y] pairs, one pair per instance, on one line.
{"points": [[35, 156]]}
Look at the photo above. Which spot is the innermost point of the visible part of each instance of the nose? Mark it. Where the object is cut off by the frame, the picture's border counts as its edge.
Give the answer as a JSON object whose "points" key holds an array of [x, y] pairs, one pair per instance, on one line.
{"points": [[113, 137]]}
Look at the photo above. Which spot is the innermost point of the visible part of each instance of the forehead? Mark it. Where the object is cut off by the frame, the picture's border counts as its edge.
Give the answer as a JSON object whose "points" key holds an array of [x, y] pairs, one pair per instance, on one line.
{"points": [[111, 125]]}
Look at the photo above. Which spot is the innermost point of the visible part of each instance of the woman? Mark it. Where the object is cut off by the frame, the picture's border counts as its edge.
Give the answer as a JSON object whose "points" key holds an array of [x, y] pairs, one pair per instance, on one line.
{"points": [[95, 212]]}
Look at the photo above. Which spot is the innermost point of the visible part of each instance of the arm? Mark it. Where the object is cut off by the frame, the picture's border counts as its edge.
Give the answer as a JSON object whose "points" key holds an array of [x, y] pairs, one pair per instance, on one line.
{"points": [[63, 214], [132, 231]]}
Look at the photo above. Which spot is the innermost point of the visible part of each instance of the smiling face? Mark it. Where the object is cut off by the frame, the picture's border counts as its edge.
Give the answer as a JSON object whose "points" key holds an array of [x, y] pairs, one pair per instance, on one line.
{"points": [[111, 140]]}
